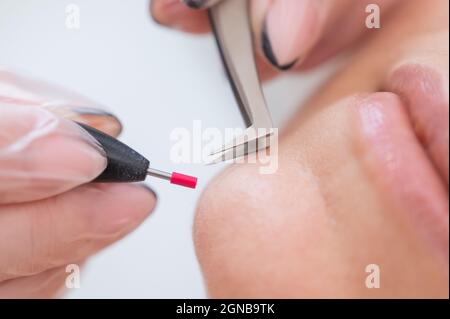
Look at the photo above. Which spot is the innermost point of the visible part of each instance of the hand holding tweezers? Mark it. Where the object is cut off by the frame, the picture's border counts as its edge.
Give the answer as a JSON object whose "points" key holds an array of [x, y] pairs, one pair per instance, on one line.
{"points": [[230, 21]]}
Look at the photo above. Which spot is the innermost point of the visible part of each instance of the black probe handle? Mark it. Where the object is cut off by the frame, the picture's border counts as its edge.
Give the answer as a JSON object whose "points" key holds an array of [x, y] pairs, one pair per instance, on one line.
{"points": [[124, 163]]}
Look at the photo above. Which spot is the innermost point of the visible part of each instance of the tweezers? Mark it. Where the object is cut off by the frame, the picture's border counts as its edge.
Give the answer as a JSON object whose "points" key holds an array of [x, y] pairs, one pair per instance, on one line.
{"points": [[230, 21]]}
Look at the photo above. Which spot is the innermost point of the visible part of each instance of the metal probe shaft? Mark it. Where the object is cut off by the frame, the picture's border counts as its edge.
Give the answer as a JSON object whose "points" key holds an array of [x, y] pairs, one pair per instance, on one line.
{"points": [[160, 174]]}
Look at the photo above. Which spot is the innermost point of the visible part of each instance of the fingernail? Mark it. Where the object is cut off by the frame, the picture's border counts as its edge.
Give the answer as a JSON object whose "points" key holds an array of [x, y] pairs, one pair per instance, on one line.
{"points": [[270, 55], [92, 116], [42, 154], [21, 89], [289, 31], [149, 189], [195, 4], [167, 12], [200, 4]]}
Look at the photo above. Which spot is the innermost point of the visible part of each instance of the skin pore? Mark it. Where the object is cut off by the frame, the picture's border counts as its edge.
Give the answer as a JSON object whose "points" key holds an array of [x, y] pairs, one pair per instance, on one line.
{"points": [[362, 179]]}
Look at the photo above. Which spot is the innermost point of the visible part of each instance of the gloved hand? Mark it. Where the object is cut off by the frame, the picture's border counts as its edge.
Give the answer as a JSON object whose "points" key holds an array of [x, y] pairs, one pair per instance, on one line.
{"points": [[49, 216]]}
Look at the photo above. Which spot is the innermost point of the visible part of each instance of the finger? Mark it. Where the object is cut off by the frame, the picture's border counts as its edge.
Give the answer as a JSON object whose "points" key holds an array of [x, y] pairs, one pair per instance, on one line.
{"points": [[47, 284], [288, 33], [287, 30], [303, 33], [18, 89], [175, 14], [420, 77], [43, 285], [178, 15], [346, 24], [42, 155], [53, 232]]}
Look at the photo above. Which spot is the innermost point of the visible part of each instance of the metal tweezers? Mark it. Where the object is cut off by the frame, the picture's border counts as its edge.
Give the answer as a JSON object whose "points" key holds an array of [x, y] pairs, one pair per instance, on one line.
{"points": [[230, 22]]}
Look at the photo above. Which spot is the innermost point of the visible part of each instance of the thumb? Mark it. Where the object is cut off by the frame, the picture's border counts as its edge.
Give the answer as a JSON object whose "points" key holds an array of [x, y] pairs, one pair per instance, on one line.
{"points": [[42, 155]]}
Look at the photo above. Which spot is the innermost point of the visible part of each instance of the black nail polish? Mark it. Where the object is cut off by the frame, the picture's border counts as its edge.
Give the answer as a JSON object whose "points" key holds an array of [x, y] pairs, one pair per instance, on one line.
{"points": [[195, 4], [270, 55]]}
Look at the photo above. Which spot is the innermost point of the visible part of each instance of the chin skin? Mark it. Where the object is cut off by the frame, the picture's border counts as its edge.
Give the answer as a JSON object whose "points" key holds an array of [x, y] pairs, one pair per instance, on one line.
{"points": [[311, 229]]}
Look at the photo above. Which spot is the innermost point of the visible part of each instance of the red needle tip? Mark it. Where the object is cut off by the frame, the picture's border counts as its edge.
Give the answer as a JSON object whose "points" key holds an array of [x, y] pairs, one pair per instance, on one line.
{"points": [[183, 180]]}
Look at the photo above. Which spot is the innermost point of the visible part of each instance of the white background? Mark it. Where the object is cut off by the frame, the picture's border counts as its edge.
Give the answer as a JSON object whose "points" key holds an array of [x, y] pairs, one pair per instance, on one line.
{"points": [[154, 79]]}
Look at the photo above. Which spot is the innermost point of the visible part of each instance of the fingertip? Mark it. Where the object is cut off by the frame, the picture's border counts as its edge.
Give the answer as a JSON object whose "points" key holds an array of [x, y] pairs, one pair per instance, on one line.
{"points": [[112, 210], [133, 200], [175, 14], [289, 29], [43, 155], [72, 225], [269, 53], [151, 191]]}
